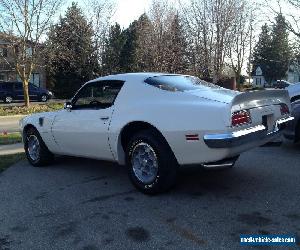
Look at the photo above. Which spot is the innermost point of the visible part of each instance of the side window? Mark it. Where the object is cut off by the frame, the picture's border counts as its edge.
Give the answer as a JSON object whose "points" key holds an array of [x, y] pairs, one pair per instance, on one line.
{"points": [[32, 87], [97, 95]]}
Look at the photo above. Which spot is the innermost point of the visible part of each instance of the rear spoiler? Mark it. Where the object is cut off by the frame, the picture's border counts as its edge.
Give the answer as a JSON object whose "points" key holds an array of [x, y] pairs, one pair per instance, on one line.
{"points": [[260, 98]]}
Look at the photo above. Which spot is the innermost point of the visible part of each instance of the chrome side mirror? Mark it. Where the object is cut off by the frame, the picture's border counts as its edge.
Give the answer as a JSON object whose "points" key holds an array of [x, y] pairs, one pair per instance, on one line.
{"points": [[68, 106]]}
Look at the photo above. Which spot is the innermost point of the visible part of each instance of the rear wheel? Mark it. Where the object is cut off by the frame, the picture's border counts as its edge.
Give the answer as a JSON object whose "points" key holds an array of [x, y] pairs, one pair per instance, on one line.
{"points": [[44, 98], [8, 99], [36, 151], [152, 167]]}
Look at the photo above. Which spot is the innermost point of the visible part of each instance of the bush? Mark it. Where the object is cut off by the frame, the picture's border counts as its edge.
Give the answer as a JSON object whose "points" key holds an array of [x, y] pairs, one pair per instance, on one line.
{"points": [[35, 108]]}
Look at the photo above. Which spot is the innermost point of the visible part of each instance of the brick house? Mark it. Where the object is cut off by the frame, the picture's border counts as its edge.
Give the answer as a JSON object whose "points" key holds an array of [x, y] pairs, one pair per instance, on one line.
{"points": [[7, 70]]}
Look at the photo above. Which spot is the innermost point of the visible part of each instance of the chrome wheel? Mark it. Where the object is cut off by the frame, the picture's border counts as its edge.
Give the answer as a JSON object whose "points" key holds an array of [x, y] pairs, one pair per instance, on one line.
{"points": [[8, 99], [33, 146], [44, 98], [144, 163]]}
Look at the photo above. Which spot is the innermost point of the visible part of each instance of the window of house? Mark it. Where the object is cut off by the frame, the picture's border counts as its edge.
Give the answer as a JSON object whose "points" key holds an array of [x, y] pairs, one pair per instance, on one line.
{"points": [[2, 77], [35, 79]]}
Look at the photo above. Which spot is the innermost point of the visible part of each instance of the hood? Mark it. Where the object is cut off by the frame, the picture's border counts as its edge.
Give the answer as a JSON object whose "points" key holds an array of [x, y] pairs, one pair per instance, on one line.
{"points": [[217, 94]]}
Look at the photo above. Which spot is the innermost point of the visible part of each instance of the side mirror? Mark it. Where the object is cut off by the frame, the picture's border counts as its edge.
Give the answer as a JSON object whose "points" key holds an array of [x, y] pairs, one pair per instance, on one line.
{"points": [[68, 106]]}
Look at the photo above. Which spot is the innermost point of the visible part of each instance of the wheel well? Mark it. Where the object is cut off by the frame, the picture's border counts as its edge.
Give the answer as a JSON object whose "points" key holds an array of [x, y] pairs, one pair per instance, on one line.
{"points": [[295, 98], [132, 128], [28, 126]]}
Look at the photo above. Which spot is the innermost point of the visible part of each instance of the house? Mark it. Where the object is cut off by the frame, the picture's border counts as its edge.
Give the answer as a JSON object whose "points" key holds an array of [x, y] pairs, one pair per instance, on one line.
{"points": [[292, 75], [7, 69], [258, 78]]}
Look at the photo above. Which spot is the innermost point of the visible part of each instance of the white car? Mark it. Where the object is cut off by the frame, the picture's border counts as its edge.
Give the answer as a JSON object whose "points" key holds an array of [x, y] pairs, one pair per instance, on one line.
{"points": [[155, 122], [294, 91]]}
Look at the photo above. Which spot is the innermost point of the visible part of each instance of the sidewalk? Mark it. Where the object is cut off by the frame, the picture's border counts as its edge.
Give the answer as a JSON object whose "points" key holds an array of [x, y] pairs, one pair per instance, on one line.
{"points": [[11, 149], [10, 123]]}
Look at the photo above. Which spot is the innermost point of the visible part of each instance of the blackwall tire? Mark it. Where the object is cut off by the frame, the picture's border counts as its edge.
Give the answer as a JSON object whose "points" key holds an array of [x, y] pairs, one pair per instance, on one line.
{"points": [[151, 164], [36, 150]]}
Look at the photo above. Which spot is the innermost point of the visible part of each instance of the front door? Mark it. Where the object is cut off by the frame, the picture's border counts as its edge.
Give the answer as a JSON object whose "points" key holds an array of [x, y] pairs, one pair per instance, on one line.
{"points": [[83, 130]]}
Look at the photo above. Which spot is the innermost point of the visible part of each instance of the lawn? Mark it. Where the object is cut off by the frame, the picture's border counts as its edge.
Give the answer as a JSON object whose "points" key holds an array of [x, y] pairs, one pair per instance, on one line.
{"points": [[8, 160], [12, 138], [34, 108]]}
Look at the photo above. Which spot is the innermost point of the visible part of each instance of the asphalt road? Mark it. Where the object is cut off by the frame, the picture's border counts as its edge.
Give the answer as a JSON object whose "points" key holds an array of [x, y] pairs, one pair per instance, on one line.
{"points": [[86, 204]]}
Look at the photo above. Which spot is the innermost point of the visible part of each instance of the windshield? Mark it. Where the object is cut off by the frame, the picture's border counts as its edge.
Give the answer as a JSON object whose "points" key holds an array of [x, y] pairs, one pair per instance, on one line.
{"points": [[179, 83]]}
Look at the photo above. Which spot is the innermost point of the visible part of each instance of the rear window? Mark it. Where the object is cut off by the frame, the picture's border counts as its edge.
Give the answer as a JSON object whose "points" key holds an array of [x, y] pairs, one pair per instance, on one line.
{"points": [[179, 83]]}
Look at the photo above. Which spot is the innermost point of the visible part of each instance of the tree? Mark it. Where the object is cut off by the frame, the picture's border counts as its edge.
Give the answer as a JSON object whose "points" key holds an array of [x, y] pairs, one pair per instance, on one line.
{"points": [[176, 47], [280, 49], [71, 54], [241, 40], [128, 53], [112, 50], [25, 22], [290, 10], [209, 24], [262, 52], [99, 14]]}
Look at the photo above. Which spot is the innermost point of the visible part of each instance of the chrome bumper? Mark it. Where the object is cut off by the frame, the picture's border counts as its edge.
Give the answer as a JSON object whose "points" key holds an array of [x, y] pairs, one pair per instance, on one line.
{"points": [[240, 137]]}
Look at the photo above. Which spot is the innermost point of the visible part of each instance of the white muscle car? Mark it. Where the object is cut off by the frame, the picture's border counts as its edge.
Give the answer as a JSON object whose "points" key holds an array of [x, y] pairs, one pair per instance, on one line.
{"points": [[155, 122]]}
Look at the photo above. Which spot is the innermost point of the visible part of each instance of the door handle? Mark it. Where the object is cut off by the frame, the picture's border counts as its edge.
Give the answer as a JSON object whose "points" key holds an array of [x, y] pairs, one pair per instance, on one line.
{"points": [[104, 118]]}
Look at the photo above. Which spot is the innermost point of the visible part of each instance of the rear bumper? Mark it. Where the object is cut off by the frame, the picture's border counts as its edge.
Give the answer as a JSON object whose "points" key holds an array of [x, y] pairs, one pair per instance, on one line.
{"points": [[244, 136]]}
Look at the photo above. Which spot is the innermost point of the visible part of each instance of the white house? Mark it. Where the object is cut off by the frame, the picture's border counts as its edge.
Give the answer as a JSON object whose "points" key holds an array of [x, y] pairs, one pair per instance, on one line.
{"points": [[258, 78]]}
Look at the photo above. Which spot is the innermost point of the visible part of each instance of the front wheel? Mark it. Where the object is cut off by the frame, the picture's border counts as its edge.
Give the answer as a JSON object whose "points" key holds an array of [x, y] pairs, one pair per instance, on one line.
{"points": [[152, 166], [36, 151]]}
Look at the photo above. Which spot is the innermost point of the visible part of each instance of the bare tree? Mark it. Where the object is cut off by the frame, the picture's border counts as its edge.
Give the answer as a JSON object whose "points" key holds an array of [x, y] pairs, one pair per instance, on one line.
{"points": [[210, 24], [241, 40], [25, 23], [290, 10], [100, 13]]}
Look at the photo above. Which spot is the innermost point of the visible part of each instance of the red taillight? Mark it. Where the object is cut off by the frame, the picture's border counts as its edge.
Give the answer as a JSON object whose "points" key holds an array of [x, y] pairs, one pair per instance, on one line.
{"points": [[239, 118], [284, 109]]}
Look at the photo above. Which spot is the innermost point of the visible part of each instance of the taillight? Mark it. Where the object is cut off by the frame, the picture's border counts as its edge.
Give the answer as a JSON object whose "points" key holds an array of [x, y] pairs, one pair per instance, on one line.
{"points": [[239, 118], [284, 109]]}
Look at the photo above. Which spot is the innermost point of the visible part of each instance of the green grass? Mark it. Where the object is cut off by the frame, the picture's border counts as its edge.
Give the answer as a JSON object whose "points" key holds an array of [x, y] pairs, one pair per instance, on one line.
{"points": [[10, 138], [8, 160], [33, 108]]}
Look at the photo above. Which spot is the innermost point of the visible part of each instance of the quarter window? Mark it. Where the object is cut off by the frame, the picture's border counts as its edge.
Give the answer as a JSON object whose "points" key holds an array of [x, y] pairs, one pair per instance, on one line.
{"points": [[97, 95]]}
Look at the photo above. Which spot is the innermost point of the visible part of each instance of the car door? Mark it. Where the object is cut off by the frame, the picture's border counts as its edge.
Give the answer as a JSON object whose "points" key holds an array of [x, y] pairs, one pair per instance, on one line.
{"points": [[18, 91], [83, 129], [33, 92]]}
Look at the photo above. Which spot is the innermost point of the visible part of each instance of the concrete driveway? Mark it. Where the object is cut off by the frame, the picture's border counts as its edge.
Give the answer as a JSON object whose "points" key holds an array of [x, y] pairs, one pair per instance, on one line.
{"points": [[86, 204]]}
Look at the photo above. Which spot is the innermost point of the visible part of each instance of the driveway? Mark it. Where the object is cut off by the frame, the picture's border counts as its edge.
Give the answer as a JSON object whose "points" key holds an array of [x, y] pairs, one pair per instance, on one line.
{"points": [[86, 204]]}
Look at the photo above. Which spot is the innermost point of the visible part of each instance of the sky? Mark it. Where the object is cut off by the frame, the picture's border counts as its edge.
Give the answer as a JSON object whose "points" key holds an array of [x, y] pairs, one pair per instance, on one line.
{"points": [[129, 10], [126, 10]]}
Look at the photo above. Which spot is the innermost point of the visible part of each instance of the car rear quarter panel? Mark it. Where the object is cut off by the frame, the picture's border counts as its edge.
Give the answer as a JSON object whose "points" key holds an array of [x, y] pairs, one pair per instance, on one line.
{"points": [[174, 114]]}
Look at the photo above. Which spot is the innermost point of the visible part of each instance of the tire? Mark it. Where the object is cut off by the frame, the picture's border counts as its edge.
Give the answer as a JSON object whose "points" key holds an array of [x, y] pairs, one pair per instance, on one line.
{"points": [[44, 98], [36, 150], [164, 164], [8, 99]]}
